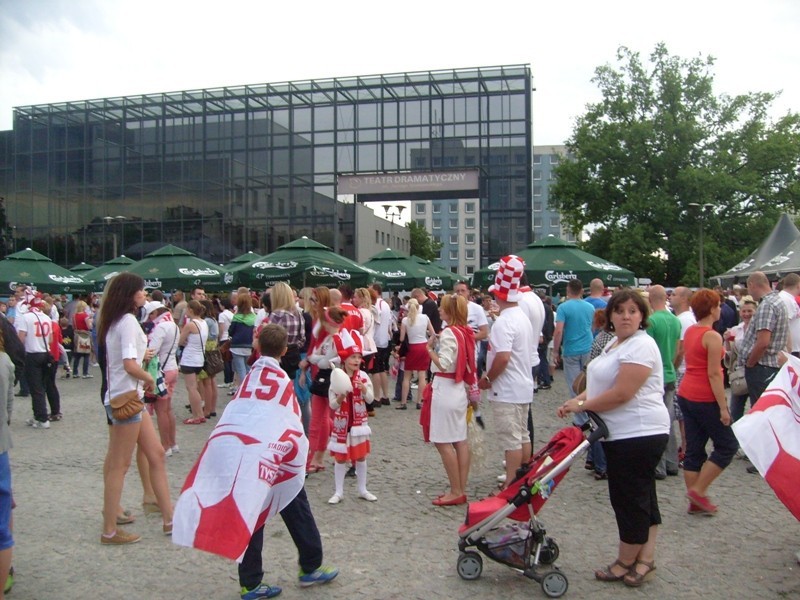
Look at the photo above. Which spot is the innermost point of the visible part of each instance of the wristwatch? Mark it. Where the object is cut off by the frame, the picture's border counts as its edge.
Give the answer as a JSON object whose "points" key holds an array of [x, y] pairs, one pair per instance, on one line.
{"points": [[486, 377], [581, 403]]}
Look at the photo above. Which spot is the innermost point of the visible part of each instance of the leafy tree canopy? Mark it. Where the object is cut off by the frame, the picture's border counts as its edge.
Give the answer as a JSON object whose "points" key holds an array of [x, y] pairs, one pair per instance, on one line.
{"points": [[661, 156], [422, 244]]}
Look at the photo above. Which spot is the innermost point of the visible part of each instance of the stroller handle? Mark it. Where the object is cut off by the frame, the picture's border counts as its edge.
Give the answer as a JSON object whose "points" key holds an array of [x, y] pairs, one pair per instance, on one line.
{"points": [[600, 429]]}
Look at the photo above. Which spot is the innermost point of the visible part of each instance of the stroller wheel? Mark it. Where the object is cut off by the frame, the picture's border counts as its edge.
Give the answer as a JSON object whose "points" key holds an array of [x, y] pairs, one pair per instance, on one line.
{"points": [[554, 584], [549, 552], [469, 565]]}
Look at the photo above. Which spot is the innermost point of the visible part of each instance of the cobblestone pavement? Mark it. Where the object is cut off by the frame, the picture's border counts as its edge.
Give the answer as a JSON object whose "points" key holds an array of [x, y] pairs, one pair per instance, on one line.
{"points": [[399, 547]]}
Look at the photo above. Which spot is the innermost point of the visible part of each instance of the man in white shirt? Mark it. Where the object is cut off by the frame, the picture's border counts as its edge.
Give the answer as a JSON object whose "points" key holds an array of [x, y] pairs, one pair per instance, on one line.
{"points": [[680, 306], [509, 378], [789, 293], [35, 331], [382, 334], [476, 316]]}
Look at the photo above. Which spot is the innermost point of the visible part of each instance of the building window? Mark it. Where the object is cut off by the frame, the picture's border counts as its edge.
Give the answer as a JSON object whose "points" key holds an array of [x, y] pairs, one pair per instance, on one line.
{"points": [[470, 269], [469, 254], [437, 238], [421, 222], [376, 237], [453, 254], [420, 208], [454, 207], [454, 270], [469, 238], [537, 174], [554, 222], [554, 158], [537, 207], [537, 222], [454, 238], [469, 223], [438, 255], [537, 159], [469, 208], [537, 190], [437, 208], [453, 223], [437, 223], [383, 238]]}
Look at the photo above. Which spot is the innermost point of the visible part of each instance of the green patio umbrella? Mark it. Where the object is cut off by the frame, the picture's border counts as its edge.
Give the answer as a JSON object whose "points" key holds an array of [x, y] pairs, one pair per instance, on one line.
{"points": [[303, 263], [401, 272], [36, 270], [449, 278], [552, 262], [83, 268], [241, 259], [100, 275], [173, 268]]}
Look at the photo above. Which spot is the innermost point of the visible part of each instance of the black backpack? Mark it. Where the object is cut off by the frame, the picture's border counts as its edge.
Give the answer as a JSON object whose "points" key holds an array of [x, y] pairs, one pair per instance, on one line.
{"points": [[14, 347]]}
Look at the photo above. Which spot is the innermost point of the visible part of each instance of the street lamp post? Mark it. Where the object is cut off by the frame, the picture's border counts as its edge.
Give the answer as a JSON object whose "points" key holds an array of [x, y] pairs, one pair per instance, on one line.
{"points": [[110, 220], [701, 209], [394, 211]]}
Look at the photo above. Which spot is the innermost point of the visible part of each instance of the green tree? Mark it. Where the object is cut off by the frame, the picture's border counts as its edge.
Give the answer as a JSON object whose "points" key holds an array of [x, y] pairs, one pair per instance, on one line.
{"points": [[661, 156], [422, 244]]}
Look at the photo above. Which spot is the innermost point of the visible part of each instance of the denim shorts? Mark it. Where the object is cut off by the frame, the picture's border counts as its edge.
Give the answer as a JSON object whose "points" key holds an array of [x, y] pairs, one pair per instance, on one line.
{"points": [[6, 539], [137, 418]]}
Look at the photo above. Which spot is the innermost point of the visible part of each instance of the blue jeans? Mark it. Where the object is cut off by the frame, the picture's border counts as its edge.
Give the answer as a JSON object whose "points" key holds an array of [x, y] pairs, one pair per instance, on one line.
{"points": [[240, 367], [758, 378], [573, 365], [669, 460]]}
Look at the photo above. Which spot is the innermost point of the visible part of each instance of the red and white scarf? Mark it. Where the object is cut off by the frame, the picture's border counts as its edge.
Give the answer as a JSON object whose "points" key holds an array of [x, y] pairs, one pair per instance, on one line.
{"points": [[350, 417]]}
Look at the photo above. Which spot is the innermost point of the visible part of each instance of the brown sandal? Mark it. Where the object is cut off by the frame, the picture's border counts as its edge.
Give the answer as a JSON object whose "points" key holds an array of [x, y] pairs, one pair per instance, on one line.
{"points": [[608, 575], [634, 579]]}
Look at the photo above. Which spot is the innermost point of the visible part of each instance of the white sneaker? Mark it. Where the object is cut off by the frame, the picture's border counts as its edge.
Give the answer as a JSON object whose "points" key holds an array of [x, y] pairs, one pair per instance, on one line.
{"points": [[175, 449], [168, 453], [41, 425], [335, 499], [367, 496], [502, 478]]}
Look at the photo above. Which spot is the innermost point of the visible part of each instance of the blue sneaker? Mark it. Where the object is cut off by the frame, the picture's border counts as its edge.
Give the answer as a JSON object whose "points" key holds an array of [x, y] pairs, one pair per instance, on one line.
{"points": [[260, 592], [321, 575]]}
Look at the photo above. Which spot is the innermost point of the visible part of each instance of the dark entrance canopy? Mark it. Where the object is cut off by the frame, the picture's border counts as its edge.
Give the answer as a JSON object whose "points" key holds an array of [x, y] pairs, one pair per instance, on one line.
{"points": [[552, 262], [777, 256]]}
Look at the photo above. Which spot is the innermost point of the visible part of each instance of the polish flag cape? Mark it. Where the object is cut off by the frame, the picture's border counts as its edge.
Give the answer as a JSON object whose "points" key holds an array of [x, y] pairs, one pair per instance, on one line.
{"points": [[251, 467], [770, 435]]}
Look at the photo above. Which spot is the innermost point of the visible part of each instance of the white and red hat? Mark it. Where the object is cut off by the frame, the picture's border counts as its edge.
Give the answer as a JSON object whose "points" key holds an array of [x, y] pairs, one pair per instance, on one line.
{"points": [[506, 282], [348, 343]]}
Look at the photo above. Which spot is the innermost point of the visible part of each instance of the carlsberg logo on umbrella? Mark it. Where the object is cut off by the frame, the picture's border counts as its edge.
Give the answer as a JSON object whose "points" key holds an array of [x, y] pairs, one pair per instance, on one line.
{"points": [[322, 271], [607, 266], [433, 281], [65, 279], [394, 274], [198, 272], [152, 283], [556, 277], [274, 265]]}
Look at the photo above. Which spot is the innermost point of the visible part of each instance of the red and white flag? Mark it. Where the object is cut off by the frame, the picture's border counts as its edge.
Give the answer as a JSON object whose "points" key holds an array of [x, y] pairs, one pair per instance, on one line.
{"points": [[251, 467], [770, 435]]}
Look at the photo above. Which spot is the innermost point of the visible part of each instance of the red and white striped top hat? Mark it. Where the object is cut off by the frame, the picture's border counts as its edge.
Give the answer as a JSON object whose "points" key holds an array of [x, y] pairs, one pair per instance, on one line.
{"points": [[506, 282], [348, 343]]}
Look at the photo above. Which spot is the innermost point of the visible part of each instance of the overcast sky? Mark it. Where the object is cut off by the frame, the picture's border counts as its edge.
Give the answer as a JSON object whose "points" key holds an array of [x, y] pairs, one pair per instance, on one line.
{"points": [[60, 50]]}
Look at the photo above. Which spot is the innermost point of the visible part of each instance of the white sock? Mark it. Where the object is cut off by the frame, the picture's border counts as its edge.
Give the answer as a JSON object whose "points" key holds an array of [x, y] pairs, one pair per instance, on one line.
{"points": [[339, 471], [361, 476]]}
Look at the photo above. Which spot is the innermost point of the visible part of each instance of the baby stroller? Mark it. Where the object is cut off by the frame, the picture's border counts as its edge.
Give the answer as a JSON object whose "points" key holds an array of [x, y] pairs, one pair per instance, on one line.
{"points": [[523, 544]]}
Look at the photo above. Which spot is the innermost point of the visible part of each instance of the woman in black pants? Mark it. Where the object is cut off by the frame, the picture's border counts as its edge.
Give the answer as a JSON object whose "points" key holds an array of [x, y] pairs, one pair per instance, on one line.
{"points": [[625, 383]]}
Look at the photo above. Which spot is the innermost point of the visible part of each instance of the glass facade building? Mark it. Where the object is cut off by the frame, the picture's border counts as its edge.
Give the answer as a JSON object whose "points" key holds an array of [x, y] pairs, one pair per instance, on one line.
{"points": [[222, 171]]}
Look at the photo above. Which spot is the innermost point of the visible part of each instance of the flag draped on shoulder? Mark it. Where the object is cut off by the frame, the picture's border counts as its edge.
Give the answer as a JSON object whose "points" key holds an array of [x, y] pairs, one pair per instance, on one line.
{"points": [[770, 435], [251, 467]]}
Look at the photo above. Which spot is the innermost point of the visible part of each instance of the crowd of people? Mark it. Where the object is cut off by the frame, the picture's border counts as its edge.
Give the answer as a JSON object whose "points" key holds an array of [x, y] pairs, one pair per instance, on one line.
{"points": [[651, 363]]}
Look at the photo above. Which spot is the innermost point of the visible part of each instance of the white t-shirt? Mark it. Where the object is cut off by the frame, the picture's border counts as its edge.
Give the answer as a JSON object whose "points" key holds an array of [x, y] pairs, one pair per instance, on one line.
{"points": [[261, 316], [418, 332], [512, 332], [687, 320], [193, 354], [476, 316], [645, 413], [38, 329], [533, 307], [164, 340], [793, 312], [125, 339], [225, 318], [383, 323]]}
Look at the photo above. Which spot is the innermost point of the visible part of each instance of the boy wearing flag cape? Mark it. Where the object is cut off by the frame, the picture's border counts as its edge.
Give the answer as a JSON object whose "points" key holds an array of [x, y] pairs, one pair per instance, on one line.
{"points": [[252, 467]]}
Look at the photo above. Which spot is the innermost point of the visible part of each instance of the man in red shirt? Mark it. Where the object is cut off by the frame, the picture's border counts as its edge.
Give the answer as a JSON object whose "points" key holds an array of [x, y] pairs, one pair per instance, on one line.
{"points": [[353, 321]]}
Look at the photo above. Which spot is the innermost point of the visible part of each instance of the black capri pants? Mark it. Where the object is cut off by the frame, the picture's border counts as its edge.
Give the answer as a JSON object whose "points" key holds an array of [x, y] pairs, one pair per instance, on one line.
{"points": [[632, 484], [701, 421]]}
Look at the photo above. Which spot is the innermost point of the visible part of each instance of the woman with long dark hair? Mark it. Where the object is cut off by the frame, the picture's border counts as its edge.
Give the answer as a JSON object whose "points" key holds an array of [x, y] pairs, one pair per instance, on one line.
{"points": [[124, 344]]}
